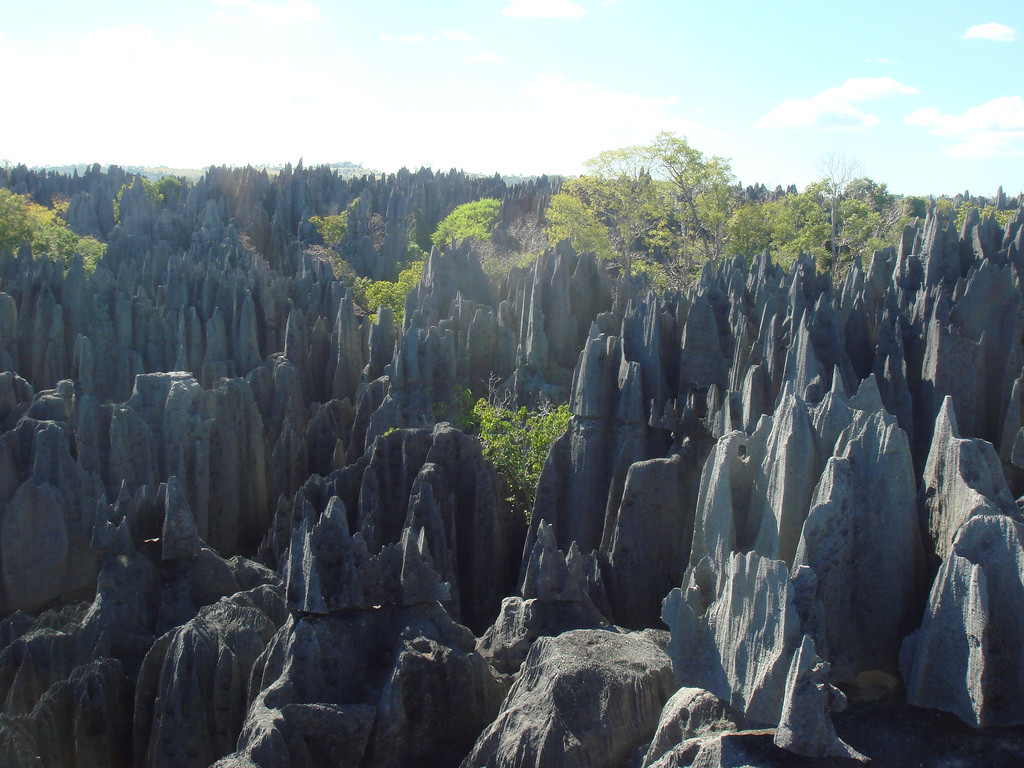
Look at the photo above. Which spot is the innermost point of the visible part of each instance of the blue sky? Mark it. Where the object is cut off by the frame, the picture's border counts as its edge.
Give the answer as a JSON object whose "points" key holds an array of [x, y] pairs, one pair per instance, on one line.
{"points": [[926, 97]]}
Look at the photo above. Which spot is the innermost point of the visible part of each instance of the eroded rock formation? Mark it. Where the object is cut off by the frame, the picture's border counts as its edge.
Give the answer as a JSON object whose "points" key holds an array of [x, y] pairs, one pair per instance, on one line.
{"points": [[240, 526]]}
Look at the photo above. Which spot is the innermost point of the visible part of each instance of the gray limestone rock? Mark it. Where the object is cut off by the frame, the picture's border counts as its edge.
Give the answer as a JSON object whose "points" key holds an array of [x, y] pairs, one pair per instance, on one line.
{"points": [[196, 711], [435, 704], [556, 593], [33, 547], [15, 398], [805, 727], [133, 456], [691, 714], [653, 530], [722, 521], [804, 371], [962, 478], [483, 533], [180, 538], [735, 634], [520, 623], [239, 506], [394, 461], [548, 574], [965, 657], [950, 366], [316, 688], [82, 719], [701, 362], [584, 698], [781, 491], [328, 570], [862, 541]]}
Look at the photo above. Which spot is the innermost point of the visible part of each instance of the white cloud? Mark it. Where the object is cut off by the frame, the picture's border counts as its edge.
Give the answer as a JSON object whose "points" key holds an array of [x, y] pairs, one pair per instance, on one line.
{"points": [[989, 130], [271, 15], [991, 31], [220, 17], [543, 9], [132, 36], [832, 108], [576, 120], [387, 37], [487, 57], [456, 34], [222, 82], [267, 15]]}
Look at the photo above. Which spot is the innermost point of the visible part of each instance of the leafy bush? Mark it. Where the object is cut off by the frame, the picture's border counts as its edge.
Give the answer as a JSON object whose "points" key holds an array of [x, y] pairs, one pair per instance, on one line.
{"points": [[496, 268], [153, 190], [475, 220], [657, 277], [517, 444], [569, 219], [331, 228], [387, 293], [23, 222], [1002, 217]]}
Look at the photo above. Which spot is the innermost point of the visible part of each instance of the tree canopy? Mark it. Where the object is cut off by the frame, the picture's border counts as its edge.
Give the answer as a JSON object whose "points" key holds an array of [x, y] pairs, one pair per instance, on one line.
{"points": [[665, 199], [569, 219], [475, 219], [24, 222]]}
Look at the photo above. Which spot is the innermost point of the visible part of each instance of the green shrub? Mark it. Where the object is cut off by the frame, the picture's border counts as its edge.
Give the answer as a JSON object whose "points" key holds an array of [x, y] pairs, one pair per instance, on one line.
{"points": [[152, 190], [517, 444], [331, 228], [387, 293], [475, 220], [23, 222], [569, 219]]}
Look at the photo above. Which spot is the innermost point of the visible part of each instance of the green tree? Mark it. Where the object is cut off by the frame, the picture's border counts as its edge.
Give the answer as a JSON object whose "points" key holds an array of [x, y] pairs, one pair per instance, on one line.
{"points": [[665, 200], [749, 230], [914, 207], [517, 444], [620, 192], [701, 185], [569, 219], [799, 224], [151, 189], [388, 293], [836, 173], [1002, 217], [168, 186], [331, 228], [475, 220], [24, 222], [16, 226]]}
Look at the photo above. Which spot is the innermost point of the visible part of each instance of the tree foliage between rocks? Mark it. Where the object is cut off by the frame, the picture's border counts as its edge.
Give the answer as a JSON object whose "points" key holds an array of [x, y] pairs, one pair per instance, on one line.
{"points": [[673, 208], [474, 220], [517, 443], [331, 228], [24, 222], [389, 293]]}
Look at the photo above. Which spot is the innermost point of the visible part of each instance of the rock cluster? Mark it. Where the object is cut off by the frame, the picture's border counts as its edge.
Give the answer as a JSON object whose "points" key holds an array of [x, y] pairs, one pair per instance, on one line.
{"points": [[238, 526]]}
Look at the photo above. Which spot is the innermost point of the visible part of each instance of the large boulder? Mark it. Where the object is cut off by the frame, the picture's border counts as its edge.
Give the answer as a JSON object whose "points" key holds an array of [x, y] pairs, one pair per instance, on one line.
{"points": [[585, 698]]}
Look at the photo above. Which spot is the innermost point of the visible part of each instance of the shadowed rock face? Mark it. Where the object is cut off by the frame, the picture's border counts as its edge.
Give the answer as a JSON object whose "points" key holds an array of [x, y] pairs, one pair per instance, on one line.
{"points": [[240, 525], [584, 698]]}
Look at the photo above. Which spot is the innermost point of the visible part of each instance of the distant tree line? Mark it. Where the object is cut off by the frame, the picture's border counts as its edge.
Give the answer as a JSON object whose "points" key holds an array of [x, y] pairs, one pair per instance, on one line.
{"points": [[669, 206]]}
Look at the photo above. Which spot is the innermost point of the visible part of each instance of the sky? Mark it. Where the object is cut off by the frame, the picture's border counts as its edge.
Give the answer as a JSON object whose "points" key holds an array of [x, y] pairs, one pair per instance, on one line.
{"points": [[926, 97]]}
